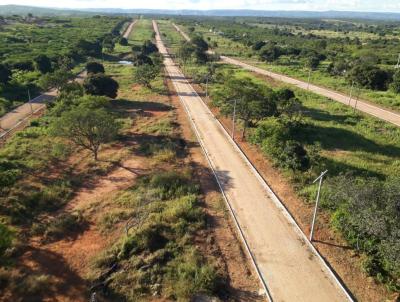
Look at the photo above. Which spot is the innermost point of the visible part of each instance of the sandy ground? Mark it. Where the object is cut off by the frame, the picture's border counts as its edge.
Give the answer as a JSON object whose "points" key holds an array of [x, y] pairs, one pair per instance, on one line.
{"points": [[290, 268]]}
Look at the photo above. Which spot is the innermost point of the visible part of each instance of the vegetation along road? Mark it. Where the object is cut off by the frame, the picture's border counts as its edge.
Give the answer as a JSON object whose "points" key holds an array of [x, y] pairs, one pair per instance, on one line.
{"points": [[288, 265], [13, 118], [361, 105], [129, 29]]}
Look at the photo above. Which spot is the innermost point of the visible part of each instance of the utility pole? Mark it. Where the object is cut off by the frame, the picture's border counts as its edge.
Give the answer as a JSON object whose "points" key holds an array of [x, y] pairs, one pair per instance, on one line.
{"points": [[309, 78], [316, 202], [207, 86], [233, 120], [398, 62], [351, 91], [29, 98], [358, 96]]}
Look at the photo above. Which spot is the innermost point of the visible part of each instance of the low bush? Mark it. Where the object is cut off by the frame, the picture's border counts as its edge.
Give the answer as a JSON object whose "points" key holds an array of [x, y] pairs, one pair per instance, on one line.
{"points": [[367, 212], [158, 252]]}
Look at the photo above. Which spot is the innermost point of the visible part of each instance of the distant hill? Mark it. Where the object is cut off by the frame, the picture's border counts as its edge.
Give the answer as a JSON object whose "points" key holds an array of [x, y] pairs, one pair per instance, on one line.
{"points": [[23, 10], [38, 11]]}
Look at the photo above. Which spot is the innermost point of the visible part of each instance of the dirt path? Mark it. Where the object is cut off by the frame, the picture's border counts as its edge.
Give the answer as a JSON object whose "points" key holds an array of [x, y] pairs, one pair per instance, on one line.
{"points": [[290, 267], [67, 260], [361, 105], [128, 31], [14, 118]]}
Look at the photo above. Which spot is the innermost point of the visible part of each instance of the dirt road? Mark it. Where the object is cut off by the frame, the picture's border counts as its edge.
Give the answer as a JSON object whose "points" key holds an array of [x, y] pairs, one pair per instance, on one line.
{"points": [[290, 267], [128, 31], [20, 114], [360, 105]]}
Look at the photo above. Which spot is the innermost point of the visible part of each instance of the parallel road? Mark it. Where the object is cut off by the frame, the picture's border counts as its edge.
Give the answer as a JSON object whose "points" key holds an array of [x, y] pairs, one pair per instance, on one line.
{"points": [[13, 118], [362, 105], [288, 265], [129, 29], [20, 114]]}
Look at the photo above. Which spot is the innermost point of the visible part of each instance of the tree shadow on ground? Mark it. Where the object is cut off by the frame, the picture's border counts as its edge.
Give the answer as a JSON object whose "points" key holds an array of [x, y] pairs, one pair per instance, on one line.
{"points": [[124, 104], [325, 116], [64, 281], [332, 138]]}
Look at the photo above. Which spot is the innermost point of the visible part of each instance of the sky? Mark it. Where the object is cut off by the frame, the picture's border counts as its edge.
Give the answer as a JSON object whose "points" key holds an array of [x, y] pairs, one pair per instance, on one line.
{"points": [[313, 5]]}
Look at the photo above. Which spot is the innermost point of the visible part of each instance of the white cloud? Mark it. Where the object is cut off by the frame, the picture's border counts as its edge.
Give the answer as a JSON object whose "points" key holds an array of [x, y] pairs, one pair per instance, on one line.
{"points": [[357, 5]]}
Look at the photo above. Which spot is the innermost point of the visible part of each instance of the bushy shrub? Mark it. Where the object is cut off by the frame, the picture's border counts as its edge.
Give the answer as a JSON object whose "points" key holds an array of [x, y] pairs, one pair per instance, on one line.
{"points": [[94, 67], [5, 239], [367, 212], [187, 276]]}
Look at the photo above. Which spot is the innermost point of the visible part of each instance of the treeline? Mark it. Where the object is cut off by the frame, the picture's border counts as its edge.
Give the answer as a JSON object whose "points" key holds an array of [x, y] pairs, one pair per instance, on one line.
{"points": [[366, 63], [26, 74]]}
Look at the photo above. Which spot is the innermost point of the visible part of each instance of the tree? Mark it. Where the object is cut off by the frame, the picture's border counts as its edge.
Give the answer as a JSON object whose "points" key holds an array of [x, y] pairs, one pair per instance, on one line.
{"points": [[199, 43], [148, 48], [395, 85], [87, 128], [42, 64], [253, 101], [108, 43], [94, 67], [57, 79], [289, 106], [313, 61], [100, 84], [86, 48], [145, 73], [141, 59], [5, 74], [185, 51], [270, 53], [200, 49], [369, 76], [258, 45], [123, 41]]}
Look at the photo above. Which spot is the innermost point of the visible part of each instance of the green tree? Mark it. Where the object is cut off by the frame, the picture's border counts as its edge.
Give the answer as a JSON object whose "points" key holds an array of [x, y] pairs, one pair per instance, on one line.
{"points": [[253, 101], [270, 53], [87, 128], [148, 48], [86, 48], [57, 79], [94, 67], [145, 73], [123, 41], [313, 61], [42, 64], [185, 52], [369, 76], [5, 74], [100, 84]]}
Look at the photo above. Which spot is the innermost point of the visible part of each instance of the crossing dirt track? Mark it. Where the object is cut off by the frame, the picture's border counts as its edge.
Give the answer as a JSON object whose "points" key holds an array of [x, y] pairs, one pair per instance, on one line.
{"points": [[289, 266]]}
